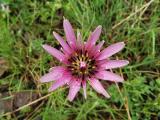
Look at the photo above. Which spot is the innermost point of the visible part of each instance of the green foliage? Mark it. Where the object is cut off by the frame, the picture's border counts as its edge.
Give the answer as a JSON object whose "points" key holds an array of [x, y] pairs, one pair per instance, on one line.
{"points": [[26, 25]]}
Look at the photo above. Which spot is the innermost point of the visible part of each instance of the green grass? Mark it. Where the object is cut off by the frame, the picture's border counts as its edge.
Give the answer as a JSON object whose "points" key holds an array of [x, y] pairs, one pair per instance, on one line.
{"points": [[29, 24]]}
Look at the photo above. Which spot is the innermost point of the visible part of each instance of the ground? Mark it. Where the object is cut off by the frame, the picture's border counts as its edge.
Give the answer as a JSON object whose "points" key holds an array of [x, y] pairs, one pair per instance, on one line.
{"points": [[26, 25]]}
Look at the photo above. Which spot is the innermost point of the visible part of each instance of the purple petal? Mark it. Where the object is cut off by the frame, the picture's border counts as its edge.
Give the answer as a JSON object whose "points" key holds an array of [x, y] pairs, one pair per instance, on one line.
{"points": [[63, 43], [54, 52], [112, 49], [106, 75], [60, 82], [110, 64], [98, 87], [70, 36], [54, 74], [93, 37], [74, 88], [84, 88]]}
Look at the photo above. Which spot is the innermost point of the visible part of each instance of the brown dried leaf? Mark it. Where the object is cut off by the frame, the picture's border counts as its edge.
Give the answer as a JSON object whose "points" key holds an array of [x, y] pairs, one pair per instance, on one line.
{"points": [[3, 66], [9, 103]]}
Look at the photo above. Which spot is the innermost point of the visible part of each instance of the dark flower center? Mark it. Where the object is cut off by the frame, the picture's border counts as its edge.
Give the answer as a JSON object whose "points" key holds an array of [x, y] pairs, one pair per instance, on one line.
{"points": [[81, 64]]}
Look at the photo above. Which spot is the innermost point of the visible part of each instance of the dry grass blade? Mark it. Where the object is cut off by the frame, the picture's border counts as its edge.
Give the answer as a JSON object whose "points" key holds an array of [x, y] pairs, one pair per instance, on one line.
{"points": [[145, 6]]}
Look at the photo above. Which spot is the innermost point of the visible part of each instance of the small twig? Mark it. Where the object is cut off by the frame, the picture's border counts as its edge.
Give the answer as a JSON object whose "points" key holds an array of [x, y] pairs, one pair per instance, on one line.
{"points": [[31, 103], [127, 109], [32, 113], [150, 72], [127, 18], [124, 99]]}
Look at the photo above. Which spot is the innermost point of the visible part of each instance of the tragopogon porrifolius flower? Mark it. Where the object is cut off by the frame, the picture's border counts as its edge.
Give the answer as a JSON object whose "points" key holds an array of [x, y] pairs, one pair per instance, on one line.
{"points": [[82, 62]]}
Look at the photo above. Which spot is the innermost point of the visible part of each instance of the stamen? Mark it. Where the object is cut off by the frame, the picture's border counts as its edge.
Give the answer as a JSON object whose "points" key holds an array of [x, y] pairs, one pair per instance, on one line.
{"points": [[82, 65]]}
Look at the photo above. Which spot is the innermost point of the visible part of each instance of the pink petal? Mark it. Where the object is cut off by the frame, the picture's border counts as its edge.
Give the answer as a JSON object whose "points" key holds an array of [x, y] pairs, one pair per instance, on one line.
{"points": [[94, 37], [110, 64], [112, 49], [54, 74], [63, 43], [54, 52], [60, 82], [74, 88], [70, 36], [84, 88], [106, 75], [98, 87]]}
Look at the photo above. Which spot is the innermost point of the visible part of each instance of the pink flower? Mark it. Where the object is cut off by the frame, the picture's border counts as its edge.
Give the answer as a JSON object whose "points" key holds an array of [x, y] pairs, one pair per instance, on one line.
{"points": [[82, 62]]}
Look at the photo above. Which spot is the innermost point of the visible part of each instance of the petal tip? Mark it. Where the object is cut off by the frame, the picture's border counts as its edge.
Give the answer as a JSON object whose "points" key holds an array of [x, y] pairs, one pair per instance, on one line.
{"points": [[44, 46], [44, 80], [99, 27], [70, 100], [102, 41], [121, 80], [85, 95], [54, 32], [65, 20], [122, 43], [127, 62], [107, 95], [50, 90], [78, 34], [41, 80]]}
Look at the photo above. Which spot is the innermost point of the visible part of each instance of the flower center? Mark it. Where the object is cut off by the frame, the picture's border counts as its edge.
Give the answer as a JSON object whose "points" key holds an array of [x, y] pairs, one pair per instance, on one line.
{"points": [[81, 65]]}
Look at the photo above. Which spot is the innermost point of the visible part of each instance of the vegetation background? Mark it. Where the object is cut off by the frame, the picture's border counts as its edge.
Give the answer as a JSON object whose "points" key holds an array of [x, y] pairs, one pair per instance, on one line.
{"points": [[27, 24]]}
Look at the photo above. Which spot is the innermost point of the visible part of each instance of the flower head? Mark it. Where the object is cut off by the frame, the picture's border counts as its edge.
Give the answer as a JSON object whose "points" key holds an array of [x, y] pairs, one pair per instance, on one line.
{"points": [[82, 62]]}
